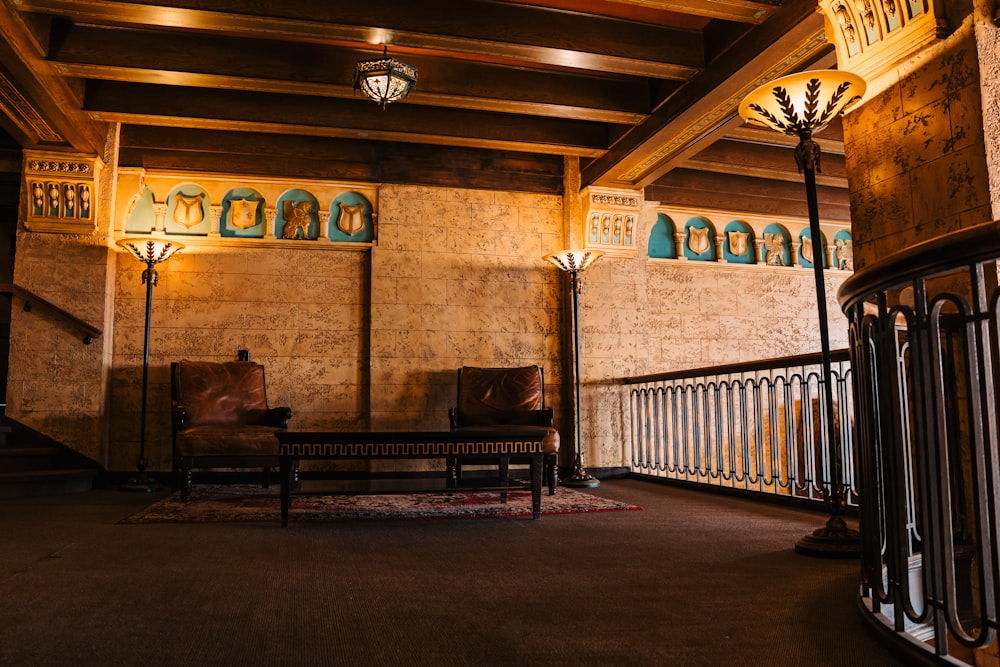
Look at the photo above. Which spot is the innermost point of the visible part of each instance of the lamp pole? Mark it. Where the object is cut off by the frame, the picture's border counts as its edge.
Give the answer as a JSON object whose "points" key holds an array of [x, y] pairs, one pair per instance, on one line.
{"points": [[801, 104], [574, 262], [150, 253]]}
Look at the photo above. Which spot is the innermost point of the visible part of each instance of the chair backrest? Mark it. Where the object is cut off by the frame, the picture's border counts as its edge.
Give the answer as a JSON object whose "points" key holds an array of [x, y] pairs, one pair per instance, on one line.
{"points": [[499, 395], [230, 392]]}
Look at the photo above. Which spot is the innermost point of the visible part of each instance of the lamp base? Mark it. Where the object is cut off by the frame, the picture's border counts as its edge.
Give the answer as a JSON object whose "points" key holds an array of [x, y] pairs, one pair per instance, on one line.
{"points": [[580, 479], [834, 540], [140, 482]]}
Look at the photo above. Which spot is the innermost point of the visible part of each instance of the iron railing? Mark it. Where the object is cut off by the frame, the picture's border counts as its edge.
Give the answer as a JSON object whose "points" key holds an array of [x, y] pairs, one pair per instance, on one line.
{"points": [[754, 428], [925, 348]]}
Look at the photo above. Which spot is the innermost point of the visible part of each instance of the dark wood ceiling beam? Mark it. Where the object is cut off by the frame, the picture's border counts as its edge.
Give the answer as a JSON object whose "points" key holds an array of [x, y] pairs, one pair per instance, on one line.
{"points": [[727, 10], [476, 28], [313, 69], [640, 139], [40, 107], [175, 106], [746, 194], [396, 163], [766, 161]]}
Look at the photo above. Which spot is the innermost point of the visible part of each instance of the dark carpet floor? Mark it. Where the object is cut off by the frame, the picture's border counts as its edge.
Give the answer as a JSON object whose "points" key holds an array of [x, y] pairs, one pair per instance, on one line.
{"points": [[692, 579]]}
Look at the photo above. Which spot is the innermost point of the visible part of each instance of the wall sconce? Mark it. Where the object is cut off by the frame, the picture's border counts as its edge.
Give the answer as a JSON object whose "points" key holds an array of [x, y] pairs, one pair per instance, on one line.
{"points": [[385, 79], [800, 104], [150, 252], [574, 262]]}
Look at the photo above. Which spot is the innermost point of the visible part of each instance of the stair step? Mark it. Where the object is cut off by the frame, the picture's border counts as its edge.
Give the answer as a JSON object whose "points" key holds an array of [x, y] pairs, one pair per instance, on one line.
{"points": [[33, 483], [19, 459]]}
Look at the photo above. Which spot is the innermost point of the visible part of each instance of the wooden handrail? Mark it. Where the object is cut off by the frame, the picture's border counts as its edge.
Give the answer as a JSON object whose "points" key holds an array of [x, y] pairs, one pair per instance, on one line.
{"points": [[947, 252], [90, 332], [813, 358]]}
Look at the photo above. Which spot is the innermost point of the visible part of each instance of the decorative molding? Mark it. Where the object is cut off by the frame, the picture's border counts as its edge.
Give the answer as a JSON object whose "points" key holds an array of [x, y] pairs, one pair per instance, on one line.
{"points": [[273, 223], [726, 109], [874, 36], [19, 109], [61, 191], [612, 220]]}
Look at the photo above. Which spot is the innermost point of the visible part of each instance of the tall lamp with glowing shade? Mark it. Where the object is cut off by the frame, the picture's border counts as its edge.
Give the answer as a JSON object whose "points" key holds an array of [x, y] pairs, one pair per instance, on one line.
{"points": [[150, 252], [575, 262], [800, 105]]}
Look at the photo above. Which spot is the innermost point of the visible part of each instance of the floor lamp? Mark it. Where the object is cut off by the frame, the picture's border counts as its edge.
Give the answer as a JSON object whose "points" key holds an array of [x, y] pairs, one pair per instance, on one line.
{"points": [[799, 105], [150, 252], [574, 262]]}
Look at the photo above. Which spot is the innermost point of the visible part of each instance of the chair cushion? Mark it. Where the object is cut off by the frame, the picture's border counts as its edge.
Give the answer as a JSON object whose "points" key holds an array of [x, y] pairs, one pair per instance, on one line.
{"points": [[224, 440], [221, 393], [494, 395]]}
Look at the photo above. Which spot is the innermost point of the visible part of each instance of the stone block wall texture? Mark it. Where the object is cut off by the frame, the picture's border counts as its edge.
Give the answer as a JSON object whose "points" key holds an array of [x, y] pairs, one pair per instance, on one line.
{"points": [[916, 155], [357, 338], [301, 313], [56, 382]]}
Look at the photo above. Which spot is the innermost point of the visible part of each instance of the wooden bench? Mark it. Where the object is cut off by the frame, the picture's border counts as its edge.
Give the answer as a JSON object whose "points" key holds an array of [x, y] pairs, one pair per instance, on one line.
{"points": [[480, 445]]}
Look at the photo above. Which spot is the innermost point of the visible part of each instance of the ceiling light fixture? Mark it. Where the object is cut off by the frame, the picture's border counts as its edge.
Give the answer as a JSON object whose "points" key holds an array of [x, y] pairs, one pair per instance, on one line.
{"points": [[385, 79]]}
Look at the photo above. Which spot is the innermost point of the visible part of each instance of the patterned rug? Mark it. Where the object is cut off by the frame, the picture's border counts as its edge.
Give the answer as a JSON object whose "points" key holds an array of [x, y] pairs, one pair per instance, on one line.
{"points": [[217, 504]]}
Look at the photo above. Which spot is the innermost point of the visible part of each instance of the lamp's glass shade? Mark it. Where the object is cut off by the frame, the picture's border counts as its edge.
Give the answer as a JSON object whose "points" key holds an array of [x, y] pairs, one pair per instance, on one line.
{"points": [[150, 251], [801, 103], [385, 79], [574, 261]]}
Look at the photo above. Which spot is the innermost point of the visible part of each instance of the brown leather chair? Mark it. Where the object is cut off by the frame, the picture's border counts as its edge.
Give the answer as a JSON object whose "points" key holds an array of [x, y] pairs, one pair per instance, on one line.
{"points": [[497, 397], [221, 419]]}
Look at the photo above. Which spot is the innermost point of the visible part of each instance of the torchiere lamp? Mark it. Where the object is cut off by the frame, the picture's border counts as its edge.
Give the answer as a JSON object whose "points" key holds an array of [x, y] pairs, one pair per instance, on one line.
{"points": [[801, 104], [574, 262], [150, 252]]}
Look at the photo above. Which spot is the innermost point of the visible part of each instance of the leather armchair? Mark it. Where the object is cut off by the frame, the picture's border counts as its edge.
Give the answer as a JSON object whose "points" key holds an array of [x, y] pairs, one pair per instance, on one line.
{"points": [[221, 419], [505, 396]]}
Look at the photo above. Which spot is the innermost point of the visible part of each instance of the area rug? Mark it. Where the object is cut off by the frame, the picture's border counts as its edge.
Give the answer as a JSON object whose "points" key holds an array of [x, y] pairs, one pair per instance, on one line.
{"points": [[218, 504]]}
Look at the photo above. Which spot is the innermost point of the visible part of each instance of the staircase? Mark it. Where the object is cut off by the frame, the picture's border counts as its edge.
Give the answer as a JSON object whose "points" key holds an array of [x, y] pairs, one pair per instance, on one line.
{"points": [[32, 465]]}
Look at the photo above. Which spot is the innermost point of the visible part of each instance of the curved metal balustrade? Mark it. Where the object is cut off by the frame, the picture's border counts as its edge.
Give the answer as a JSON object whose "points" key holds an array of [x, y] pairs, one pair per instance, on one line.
{"points": [[925, 344], [753, 427]]}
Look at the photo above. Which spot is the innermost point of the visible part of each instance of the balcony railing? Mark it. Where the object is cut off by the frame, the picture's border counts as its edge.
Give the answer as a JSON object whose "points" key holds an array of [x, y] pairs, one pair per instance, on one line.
{"points": [[925, 347], [747, 428]]}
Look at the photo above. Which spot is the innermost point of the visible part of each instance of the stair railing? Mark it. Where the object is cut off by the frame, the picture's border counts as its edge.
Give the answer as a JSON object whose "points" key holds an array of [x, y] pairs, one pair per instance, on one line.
{"points": [[31, 300], [751, 428], [925, 348]]}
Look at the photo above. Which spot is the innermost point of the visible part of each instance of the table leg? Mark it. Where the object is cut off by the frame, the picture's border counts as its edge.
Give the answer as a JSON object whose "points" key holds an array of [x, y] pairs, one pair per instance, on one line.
{"points": [[286, 487], [536, 485]]}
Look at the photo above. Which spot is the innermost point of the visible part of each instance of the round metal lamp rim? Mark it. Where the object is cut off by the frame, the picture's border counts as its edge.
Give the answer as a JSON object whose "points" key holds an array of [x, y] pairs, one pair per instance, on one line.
{"points": [[567, 259], [152, 254], [775, 104]]}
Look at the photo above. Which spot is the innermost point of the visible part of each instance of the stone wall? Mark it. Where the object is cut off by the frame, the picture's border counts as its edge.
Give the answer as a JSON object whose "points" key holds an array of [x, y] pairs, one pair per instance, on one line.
{"points": [[302, 313], [915, 152], [374, 336]]}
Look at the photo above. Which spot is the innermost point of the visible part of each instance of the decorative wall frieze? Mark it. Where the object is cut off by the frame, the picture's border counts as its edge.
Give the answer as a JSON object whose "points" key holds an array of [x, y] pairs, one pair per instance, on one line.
{"points": [[24, 115], [874, 36], [61, 191], [612, 219], [718, 238], [220, 209]]}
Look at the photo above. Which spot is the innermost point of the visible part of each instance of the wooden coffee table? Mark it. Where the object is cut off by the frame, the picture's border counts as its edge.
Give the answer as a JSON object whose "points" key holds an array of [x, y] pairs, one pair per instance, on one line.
{"points": [[484, 445]]}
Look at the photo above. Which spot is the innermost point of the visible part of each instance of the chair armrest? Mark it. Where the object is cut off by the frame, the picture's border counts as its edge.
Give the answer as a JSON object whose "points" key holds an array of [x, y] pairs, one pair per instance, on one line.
{"points": [[179, 414], [278, 417]]}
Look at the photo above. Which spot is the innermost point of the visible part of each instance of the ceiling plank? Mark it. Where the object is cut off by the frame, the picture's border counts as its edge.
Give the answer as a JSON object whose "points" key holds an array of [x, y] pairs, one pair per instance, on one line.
{"points": [[175, 106], [475, 28], [313, 69]]}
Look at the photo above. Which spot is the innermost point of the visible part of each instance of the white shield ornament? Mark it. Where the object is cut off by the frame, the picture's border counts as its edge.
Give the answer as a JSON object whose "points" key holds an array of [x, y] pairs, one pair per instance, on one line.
{"points": [[698, 239], [187, 210], [738, 243], [807, 249], [351, 219], [243, 213]]}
